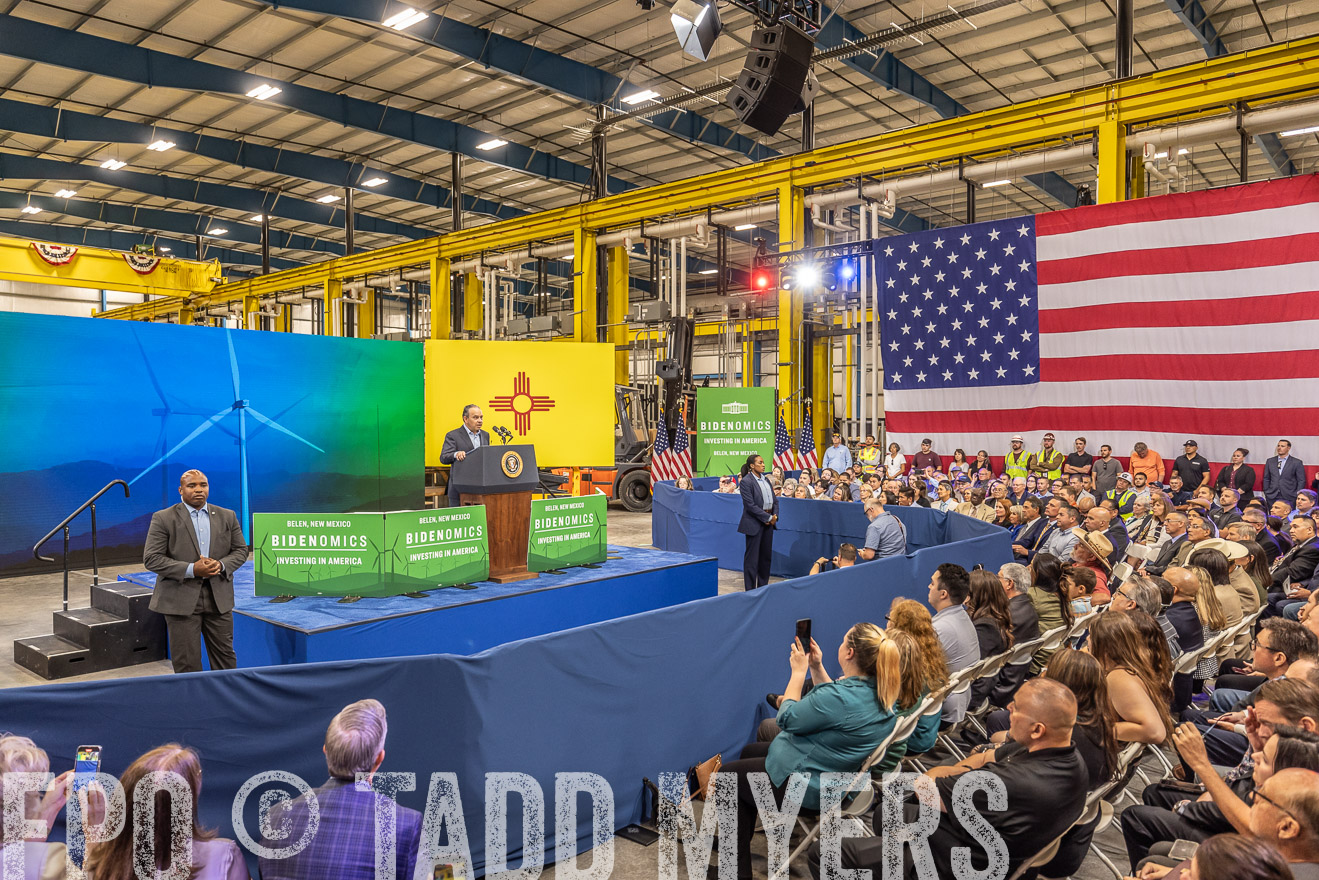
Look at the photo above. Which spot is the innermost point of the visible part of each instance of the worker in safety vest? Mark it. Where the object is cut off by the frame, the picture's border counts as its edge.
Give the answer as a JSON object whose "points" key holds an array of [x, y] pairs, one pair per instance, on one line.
{"points": [[869, 455], [1017, 462], [1048, 462], [1123, 496]]}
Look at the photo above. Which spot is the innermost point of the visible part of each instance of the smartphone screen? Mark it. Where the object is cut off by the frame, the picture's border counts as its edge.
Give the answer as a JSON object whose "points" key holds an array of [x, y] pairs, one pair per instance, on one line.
{"points": [[86, 761], [804, 634]]}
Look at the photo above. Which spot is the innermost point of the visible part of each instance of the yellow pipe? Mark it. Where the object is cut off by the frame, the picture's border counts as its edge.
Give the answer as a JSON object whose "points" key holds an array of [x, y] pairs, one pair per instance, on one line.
{"points": [[366, 315]]}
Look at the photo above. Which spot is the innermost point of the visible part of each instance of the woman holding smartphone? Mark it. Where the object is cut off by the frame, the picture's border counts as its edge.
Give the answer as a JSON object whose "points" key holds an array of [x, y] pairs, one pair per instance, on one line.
{"points": [[833, 729]]}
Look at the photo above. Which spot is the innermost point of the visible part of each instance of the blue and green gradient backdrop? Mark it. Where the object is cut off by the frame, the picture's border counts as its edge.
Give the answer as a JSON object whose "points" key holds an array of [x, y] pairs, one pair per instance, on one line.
{"points": [[324, 424]]}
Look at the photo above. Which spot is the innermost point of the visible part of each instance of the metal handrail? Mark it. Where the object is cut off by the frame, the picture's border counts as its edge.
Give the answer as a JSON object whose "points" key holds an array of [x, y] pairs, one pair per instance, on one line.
{"points": [[64, 525]]}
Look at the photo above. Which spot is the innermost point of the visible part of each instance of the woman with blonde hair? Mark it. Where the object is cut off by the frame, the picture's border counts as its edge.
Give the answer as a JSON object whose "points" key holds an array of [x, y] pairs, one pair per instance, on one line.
{"points": [[832, 729], [1212, 618], [1140, 700], [213, 858], [41, 860]]}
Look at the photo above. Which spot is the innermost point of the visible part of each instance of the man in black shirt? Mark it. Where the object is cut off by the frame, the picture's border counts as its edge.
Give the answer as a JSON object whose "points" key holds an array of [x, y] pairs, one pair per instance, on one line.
{"points": [[1191, 466], [1041, 771], [1078, 462]]}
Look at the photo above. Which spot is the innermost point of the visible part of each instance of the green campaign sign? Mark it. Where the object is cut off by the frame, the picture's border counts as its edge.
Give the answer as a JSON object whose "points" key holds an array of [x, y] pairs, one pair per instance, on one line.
{"points": [[732, 423], [566, 531], [311, 554], [425, 549]]}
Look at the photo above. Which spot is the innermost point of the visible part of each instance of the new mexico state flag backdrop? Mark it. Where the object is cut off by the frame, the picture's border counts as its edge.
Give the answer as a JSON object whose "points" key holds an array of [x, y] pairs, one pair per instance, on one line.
{"points": [[558, 396]]}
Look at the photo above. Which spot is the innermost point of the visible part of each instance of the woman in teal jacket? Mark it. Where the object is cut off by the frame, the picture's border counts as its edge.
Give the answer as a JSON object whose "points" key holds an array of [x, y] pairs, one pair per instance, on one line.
{"points": [[833, 729]]}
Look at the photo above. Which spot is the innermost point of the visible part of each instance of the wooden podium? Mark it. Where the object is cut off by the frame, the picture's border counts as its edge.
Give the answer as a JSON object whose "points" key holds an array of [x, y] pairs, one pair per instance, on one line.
{"points": [[502, 478]]}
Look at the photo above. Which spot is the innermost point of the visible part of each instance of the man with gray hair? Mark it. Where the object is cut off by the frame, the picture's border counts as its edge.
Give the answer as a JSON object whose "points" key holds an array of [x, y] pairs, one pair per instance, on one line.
{"points": [[885, 535], [1259, 521], [1015, 579], [347, 839], [1140, 592]]}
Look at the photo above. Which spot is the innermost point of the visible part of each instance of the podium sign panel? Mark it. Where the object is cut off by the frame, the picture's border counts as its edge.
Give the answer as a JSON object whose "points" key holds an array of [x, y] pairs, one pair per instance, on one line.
{"points": [[425, 549], [732, 423], [308, 554], [566, 531]]}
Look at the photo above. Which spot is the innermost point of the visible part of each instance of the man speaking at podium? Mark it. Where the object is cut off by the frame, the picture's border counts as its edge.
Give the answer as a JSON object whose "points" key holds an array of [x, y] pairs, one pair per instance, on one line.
{"points": [[460, 441]]}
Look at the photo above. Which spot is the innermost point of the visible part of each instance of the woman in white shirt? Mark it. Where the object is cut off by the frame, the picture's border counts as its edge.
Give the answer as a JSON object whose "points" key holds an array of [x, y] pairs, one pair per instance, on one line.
{"points": [[895, 463]]}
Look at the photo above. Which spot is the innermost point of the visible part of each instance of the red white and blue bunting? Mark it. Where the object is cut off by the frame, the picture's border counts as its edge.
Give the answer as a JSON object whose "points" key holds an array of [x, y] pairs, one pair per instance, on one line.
{"points": [[55, 254], [140, 264]]}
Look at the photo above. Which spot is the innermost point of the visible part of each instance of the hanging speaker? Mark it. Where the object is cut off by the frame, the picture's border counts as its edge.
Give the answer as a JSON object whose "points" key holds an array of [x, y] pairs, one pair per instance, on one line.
{"points": [[771, 82]]}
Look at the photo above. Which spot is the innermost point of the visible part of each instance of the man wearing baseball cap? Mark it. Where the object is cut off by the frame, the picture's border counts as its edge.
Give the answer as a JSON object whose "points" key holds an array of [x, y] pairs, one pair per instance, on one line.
{"points": [[1017, 462], [1048, 462], [1191, 466]]}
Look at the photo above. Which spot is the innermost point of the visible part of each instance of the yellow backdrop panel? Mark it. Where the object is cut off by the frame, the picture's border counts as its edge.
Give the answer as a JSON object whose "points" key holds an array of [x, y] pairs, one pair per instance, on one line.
{"points": [[558, 396]]}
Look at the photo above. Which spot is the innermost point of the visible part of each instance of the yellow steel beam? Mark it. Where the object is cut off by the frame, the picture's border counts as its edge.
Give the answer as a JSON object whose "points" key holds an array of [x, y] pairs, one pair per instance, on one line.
{"points": [[473, 303], [1112, 162], [441, 298], [1260, 76], [792, 222], [100, 269], [366, 315], [334, 307], [619, 282], [586, 313]]}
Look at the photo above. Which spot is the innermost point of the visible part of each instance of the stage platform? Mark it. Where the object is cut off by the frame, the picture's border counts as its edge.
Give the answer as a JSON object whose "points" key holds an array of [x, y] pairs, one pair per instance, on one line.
{"points": [[459, 620]]}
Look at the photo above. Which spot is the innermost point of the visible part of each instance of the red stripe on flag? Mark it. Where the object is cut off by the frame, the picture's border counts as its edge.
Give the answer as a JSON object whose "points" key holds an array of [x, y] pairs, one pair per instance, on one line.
{"points": [[1181, 420], [1186, 260], [1179, 313], [1233, 367], [1230, 200]]}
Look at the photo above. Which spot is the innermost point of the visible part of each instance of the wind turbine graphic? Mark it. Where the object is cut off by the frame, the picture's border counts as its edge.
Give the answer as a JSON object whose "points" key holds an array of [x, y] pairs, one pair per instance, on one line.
{"points": [[244, 409]]}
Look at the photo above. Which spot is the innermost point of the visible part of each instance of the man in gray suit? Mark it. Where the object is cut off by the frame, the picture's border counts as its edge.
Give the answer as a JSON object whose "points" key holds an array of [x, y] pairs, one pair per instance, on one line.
{"points": [[460, 441], [194, 548]]}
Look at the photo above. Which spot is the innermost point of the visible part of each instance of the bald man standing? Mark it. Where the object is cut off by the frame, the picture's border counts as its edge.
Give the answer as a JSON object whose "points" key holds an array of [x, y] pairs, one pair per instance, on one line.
{"points": [[194, 548]]}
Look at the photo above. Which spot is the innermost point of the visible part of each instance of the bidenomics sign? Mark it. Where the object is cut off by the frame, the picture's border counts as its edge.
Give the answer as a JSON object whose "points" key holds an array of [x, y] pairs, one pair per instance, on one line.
{"points": [[732, 423], [368, 554], [566, 531]]}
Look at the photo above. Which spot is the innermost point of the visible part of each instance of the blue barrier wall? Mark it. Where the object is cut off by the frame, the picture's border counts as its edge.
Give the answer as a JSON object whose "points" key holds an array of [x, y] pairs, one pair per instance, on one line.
{"points": [[626, 698], [705, 523]]}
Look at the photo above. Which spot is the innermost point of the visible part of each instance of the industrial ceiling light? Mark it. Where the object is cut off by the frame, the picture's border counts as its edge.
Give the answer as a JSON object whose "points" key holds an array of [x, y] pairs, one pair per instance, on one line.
{"points": [[637, 97], [375, 181], [744, 227], [405, 19], [161, 146], [219, 230], [492, 144], [65, 193], [708, 272], [994, 183], [329, 198], [1296, 131], [113, 164], [264, 91], [697, 25], [257, 218], [31, 209], [165, 250]]}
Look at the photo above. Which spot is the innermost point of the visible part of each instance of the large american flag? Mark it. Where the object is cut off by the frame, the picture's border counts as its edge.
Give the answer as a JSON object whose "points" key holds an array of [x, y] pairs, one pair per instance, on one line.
{"points": [[661, 460], [1187, 316], [680, 456], [806, 457], [784, 457]]}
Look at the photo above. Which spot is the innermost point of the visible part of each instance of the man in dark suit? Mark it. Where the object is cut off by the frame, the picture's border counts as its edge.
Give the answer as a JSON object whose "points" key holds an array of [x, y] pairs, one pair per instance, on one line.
{"points": [[1284, 475], [1237, 475], [460, 441], [1259, 523], [1292, 572], [344, 846], [1175, 526], [760, 515], [194, 548]]}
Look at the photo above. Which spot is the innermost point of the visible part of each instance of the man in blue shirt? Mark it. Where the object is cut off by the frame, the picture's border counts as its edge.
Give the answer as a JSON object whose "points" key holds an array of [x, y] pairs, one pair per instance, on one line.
{"points": [[885, 535], [838, 457], [949, 587]]}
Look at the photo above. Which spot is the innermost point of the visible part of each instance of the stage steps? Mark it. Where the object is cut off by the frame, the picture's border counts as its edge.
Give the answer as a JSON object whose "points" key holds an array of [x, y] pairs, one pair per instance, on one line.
{"points": [[118, 630]]}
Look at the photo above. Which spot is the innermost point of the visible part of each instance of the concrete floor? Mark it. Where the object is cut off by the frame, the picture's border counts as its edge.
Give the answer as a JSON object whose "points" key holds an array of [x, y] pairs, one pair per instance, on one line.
{"points": [[28, 603]]}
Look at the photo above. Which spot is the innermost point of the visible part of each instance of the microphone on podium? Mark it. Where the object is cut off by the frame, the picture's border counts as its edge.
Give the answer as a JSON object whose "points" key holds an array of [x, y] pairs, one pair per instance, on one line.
{"points": [[502, 433]]}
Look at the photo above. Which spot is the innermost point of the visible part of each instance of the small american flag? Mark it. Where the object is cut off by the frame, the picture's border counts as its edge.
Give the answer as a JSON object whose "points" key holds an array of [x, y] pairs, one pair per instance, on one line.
{"points": [[661, 459], [1186, 315], [806, 442], [680, 456], [784, 457]]}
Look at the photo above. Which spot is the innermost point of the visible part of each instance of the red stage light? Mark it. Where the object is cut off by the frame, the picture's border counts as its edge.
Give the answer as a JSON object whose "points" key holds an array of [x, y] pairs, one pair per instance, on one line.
{"points": [[760, 280]]}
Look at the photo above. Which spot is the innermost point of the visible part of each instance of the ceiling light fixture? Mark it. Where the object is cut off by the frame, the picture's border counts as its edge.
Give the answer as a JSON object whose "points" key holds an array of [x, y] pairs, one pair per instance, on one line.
{"points": [[375, 181], [165, 250], [1295, 131], [264, 91], [161, 146], [492, 144], [31, 209], [328, 198], [65, 194], [257, 218], [708, 272], [744, 227], [638, 97], [405, 19], [113, 164], [995, 183], [219, 230]]}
